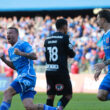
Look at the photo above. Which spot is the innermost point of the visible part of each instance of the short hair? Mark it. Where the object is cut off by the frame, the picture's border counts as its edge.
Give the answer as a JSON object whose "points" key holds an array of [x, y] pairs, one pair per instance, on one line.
{"points": [[60, 23], [14, 29], [105, 13]]}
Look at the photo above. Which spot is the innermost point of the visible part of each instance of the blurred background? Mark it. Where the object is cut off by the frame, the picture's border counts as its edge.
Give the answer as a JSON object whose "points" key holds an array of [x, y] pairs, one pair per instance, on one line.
{"points": [[35, 20]]}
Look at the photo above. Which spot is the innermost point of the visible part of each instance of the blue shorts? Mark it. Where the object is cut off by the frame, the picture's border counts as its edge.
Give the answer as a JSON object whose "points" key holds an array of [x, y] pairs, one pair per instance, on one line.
{"points": [[24, 86], [105, 84]]}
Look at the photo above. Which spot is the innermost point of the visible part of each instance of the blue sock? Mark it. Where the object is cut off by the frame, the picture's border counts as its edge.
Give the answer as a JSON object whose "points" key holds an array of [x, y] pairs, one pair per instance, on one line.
{"points": [[46, 107], [5, 106], [108, 97], [59, 103]]}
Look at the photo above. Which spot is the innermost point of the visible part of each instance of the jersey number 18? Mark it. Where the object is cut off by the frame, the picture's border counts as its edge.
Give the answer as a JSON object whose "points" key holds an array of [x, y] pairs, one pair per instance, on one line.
{"points": [[53, 53]]}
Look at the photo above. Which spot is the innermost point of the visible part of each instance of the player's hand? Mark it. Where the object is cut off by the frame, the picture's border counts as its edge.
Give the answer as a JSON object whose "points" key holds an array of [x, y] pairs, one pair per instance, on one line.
{"points": [[17, 51], [98, 68], [96, 75]]}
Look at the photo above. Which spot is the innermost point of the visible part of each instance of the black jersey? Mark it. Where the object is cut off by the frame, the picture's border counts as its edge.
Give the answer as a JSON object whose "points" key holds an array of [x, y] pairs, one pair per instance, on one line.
{"points": [[57, 50]]}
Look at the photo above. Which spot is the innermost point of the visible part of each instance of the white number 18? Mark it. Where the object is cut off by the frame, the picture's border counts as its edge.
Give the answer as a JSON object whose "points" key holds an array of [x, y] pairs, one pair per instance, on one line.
{"points": [[53, 53]]}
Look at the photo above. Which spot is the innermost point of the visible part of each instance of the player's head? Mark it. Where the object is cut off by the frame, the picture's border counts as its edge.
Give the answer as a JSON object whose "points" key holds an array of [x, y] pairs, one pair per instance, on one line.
{"points": [[103, 18], [61, 24], [12, 35]]}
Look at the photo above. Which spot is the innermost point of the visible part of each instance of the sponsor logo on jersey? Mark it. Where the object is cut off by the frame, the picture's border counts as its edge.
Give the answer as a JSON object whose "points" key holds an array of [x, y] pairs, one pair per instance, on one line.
{"points": [[52, 42], [52, 67], [57, 37], [15, 58]]}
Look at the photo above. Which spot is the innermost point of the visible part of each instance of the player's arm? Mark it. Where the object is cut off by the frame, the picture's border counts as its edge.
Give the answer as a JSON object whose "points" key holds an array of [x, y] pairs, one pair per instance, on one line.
{"points": [[99, 66], [69, 47], [26, 51], [71, 52], [31, 55], [9, 63]]}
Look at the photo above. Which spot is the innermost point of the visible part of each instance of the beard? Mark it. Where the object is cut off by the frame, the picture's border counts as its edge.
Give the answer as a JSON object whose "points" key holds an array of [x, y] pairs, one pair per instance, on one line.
{"points": [[100, 25]]}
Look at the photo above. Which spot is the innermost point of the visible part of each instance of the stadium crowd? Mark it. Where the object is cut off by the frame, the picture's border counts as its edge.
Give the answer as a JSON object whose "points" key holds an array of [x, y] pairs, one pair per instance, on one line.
{"points": [[83, 31]]}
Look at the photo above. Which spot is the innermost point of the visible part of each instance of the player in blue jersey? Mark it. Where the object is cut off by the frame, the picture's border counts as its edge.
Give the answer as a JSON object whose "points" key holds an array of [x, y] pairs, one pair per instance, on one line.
{"points": [[103, 20], [21, 55]]}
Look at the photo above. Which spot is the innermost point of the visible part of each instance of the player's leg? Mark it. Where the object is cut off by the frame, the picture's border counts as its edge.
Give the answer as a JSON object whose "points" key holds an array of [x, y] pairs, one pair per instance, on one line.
{"points": [[102, 95], [28, 104], [67, 94], [50, 91], [104, 89], [27, 99], [64, 101], [14, 88], [50, 100], [8, 94]]}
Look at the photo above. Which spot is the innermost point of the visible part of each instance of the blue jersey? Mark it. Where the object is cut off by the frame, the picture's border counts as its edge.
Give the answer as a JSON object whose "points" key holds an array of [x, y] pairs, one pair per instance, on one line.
{"points": [[23, 65], [106, 46]]}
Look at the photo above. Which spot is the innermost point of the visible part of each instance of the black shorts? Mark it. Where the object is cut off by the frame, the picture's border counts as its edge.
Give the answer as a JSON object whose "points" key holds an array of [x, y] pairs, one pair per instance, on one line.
{"points": [[58, 85]]}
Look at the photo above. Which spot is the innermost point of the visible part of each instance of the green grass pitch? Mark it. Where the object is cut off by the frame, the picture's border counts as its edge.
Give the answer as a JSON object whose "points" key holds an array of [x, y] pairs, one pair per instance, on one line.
{"points": [[78, 102]]}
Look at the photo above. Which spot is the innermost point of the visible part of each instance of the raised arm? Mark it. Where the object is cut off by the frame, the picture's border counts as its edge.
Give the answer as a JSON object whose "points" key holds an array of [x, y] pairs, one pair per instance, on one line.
{"points": [[31, 55], [26, 51]]}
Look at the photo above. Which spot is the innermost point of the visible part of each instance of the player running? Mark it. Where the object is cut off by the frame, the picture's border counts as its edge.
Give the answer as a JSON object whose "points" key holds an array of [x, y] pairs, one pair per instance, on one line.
{"points": [[21, 55], [103, 20]]}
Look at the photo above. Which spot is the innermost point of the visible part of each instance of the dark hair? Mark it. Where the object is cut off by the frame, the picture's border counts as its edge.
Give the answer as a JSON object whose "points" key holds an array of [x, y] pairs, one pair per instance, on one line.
{"points": [[14, 29], [60, 23], [105, 14]]}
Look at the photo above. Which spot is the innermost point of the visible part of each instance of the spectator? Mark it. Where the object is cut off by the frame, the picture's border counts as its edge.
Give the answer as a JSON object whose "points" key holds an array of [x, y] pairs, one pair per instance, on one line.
{"points": [[84, 34]]}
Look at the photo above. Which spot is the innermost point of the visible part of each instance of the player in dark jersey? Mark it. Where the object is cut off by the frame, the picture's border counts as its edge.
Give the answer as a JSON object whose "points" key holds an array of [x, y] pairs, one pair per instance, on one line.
{"points": [[57, 50]]}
